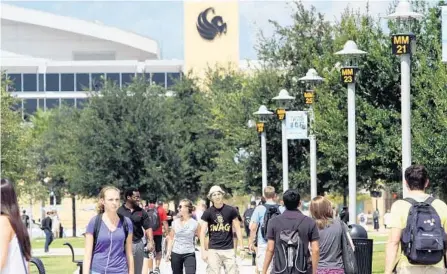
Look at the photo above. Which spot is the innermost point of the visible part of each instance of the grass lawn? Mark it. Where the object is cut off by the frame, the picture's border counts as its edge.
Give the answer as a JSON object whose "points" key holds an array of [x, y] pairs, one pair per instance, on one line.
{"points": [[58, 243], [56, 265]]}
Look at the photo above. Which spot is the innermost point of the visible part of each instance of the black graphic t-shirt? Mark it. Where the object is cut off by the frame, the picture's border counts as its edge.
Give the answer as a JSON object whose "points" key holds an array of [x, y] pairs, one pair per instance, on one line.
{"points": [[220, 228]]}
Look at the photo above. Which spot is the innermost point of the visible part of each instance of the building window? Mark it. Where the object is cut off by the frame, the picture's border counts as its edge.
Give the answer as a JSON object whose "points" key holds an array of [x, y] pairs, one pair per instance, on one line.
{"points": [[81, 103], [172, 78], [30, 106], [159, 78], [42, 103], [52, 81], [29, 82], [97, 81], [68, 102], [126, 79], [114, 77], [41, 82], [52, 103], [67, 82], [82, 81], [16, 82]]}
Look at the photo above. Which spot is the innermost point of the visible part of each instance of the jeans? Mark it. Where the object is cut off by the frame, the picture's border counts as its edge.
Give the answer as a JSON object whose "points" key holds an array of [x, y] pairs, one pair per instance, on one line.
{"points": [[48, 239], [187, 260]]}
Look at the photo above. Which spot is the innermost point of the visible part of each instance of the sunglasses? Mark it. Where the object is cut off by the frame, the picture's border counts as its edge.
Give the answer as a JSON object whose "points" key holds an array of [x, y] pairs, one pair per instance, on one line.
{"points": [[180, 206]]}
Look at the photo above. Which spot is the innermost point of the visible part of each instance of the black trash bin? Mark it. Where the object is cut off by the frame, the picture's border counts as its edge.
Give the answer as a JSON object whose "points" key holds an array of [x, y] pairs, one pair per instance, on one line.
{"points": [[363, 248]]}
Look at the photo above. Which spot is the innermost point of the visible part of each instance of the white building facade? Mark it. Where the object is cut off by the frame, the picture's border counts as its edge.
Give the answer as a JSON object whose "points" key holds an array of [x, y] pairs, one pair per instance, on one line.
{"points": [[53, 60]]}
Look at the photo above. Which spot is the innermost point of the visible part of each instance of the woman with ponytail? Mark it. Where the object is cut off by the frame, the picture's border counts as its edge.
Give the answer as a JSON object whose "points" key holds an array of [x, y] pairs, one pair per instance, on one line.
{"points": [[15, 246], [107, 249], [181, 249]]}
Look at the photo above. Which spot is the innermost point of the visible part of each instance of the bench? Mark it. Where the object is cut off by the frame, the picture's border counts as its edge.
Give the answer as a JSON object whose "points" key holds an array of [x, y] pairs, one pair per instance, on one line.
{"points": [[79, 263], [39, 265]]}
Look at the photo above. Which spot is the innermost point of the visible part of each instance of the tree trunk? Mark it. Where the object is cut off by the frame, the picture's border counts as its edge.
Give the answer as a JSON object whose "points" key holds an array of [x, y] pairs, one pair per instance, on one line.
{"points": [[73, 212]]}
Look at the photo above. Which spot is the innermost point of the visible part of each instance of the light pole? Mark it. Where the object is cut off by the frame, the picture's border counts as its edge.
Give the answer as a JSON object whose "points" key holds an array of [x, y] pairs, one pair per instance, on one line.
{"points": [[350, 53], [283, 98], [263, 114], [312, 78], [402, 44]]}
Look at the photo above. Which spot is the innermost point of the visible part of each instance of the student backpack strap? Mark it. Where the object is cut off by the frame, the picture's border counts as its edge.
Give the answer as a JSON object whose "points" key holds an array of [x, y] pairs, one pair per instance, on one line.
{"points": [[125, 228], [96, 229]]}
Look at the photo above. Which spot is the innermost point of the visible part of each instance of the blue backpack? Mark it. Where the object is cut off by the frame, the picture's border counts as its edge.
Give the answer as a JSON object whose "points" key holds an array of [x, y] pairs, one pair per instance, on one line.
{"points": [[424, 238]]}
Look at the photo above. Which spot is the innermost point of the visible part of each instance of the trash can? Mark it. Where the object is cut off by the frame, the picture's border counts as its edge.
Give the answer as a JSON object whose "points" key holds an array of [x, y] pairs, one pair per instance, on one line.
{"points": [[363, 248]]}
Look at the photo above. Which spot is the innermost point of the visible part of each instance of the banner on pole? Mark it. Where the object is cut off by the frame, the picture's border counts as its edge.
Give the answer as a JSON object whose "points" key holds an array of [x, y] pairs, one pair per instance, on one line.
{"points": [[444, 34], [296, 125]]}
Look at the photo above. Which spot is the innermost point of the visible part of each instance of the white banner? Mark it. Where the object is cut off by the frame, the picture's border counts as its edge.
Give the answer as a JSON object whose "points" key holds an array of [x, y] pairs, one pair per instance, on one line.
{"points": [[444, 33], [296, 125]]}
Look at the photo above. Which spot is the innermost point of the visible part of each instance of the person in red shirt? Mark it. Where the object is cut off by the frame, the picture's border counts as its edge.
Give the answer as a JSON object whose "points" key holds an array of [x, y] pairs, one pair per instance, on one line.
{"points": [[148, 264]]}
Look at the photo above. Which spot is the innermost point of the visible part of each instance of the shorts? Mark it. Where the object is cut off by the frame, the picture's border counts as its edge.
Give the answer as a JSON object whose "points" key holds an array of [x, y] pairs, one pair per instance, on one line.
{"points": [[260, 256], [158, 240], [426, 269]]}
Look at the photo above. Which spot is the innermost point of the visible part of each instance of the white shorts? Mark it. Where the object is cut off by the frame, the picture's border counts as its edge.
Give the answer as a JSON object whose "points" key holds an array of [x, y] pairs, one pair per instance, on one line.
{"points": [[260, 257]]}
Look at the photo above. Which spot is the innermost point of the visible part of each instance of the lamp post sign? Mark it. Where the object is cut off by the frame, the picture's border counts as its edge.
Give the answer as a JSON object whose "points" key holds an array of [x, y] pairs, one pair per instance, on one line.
{"points": [[309, 96], [296, 125], [260, 127], [281, 113], [348, 75], [401, 43]]}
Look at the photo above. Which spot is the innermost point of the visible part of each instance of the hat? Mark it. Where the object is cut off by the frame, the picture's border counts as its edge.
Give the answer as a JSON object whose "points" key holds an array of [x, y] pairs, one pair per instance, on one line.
{"points": [[215, 189]]}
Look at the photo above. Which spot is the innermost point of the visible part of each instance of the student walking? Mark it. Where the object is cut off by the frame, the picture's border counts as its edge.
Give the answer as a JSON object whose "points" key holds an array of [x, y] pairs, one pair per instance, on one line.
{"points": [[219, 220], [181, 249], [47, 227], [247, 217], [108, 239], [290, 234], [160, 228], [258, 225], [331, 233], [15, 243], [141, 226], [424, 250]]}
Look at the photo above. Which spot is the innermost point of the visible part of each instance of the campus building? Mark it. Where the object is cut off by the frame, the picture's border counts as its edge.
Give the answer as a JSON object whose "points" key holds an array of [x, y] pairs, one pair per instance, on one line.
{"points": [[54, 60]]}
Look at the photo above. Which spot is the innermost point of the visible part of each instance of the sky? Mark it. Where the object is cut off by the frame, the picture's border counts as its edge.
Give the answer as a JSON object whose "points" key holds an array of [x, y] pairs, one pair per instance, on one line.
{"points": [[163, 20]]}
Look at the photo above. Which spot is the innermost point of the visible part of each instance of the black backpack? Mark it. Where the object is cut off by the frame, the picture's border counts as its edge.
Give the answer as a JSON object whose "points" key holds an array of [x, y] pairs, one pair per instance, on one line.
{"points": [[247, 216], [290, 253], [270, 212], [423, 239], [154, 218], [97, 227]]}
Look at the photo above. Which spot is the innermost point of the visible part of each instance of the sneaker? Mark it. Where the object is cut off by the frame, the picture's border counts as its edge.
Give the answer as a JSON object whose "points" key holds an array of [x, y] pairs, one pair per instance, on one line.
{"points": [[157, 270]]}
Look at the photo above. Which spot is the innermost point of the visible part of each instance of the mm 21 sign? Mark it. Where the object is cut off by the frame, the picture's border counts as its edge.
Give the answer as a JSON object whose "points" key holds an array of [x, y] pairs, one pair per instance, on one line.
{"points": [[401, 43]]}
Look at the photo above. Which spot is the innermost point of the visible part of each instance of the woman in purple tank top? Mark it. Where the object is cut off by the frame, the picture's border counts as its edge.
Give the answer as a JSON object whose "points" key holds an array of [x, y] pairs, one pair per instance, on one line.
{"points": [[112, 253]]}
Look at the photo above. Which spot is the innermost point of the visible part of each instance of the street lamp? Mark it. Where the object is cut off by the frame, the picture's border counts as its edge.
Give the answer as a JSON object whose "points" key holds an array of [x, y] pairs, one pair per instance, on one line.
{"points": [[283, 99], [351, 54], [311, 79], [263, 114], [402, 44]]}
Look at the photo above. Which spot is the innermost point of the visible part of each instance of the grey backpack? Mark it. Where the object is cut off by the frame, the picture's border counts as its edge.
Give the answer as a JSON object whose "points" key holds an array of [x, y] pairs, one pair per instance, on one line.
{"points": [[290, 254]]}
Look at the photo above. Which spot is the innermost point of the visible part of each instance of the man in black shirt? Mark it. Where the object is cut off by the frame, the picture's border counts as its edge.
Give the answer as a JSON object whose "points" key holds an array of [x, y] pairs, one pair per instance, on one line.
{"points": [[47, 225], [140, 221], [291, 220], [220, 220]]}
